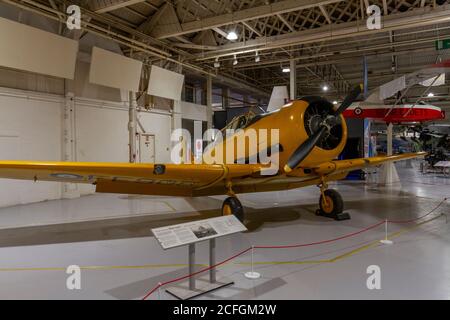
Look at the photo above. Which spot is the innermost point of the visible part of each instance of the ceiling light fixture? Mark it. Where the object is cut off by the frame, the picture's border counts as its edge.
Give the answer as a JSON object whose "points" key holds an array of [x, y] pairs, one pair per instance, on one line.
{"points": [[431, 95], [217, 63], [235, 61], [257, 57], [232, 35], [285, 70], [335, 102], [325, 88]]}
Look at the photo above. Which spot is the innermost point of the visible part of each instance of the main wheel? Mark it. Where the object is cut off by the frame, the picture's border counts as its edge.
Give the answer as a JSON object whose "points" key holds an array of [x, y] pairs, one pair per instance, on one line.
{"points": [[333, 204], [232, 206]]}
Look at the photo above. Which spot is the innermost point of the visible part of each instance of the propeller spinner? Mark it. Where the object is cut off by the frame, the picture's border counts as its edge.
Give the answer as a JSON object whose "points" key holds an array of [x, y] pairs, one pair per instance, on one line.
{"points": [[324, 127]]}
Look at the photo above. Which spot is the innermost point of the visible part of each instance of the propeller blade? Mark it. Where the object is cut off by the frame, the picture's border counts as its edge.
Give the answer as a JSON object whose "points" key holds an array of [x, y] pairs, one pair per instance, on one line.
{"points": [[349, 99], [304, 149]]}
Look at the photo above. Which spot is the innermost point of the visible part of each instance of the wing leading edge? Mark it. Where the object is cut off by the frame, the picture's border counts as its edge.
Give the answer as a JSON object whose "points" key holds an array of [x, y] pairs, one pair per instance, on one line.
{"points": [[158, 179]]}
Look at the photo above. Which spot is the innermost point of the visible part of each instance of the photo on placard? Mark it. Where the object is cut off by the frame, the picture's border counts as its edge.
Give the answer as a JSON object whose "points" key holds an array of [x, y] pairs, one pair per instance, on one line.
{"points": [[203, 230]]}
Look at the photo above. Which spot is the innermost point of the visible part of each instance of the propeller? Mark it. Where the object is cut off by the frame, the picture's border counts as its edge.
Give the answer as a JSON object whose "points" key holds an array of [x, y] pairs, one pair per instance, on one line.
{"points": [[325, 126]]}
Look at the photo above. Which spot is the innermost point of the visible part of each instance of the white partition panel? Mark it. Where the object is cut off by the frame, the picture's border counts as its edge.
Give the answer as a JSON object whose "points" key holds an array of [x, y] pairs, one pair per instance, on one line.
{"points": [[31, 49], [114, 70], [165, 83]]}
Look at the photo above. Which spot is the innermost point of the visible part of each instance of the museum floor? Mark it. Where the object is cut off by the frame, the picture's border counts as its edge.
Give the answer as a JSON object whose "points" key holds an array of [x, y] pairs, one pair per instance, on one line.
{"points": [[109, 237]]}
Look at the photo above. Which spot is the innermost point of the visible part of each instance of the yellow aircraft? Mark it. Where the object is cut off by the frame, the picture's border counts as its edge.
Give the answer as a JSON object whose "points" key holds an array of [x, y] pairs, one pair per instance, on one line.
{"points": [[312, 134]]}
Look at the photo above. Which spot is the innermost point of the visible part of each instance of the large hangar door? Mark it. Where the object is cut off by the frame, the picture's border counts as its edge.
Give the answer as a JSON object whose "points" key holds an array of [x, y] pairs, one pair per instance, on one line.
{"points": [[146, 148]]}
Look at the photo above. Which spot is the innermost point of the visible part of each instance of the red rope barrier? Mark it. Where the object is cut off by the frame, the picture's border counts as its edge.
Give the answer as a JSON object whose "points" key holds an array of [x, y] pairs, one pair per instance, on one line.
{"points": [[421, 217], [321, 242], [290, 246]]}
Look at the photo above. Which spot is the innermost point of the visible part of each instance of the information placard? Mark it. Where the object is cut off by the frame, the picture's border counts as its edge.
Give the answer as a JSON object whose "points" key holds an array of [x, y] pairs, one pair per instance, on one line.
{"points": [[196, 231]]}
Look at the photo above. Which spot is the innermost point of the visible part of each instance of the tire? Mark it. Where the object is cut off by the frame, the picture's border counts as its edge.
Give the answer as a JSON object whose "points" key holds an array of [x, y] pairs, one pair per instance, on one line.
{"points": [[336, 206], [233, 206]]}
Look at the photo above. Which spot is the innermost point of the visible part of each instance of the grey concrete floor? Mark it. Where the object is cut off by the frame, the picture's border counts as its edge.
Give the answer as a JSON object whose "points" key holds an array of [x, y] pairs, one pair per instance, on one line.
{"points": [[109, 237]]}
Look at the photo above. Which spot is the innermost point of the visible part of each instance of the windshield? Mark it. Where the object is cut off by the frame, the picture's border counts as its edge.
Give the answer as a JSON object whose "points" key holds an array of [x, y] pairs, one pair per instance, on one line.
{"points": [[239, 122]]}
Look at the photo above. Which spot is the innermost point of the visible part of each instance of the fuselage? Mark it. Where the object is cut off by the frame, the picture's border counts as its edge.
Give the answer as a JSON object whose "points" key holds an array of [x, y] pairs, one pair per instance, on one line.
{"points": [[399, 114], [293, 131]]}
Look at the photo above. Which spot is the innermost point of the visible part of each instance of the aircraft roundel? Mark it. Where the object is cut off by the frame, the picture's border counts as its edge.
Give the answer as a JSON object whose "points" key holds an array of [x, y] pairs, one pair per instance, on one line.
{"points": [[358, 111], [66, 176]]}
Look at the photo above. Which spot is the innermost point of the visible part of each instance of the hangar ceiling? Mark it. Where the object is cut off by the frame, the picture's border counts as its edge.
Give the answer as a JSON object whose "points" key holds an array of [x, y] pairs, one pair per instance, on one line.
{"points": [[327, 38]]}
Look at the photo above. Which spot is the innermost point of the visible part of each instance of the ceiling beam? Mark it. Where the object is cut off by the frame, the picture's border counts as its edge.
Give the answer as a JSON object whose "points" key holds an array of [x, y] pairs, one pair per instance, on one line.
{"points": [[325, 14], [285, 22], [221, 32], [106, 6], [398, 21], [252, 29], [285, 6]]}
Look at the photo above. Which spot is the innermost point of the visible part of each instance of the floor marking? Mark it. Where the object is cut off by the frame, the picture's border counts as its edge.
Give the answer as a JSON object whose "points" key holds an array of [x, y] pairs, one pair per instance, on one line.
{"points": [[178, 265]]}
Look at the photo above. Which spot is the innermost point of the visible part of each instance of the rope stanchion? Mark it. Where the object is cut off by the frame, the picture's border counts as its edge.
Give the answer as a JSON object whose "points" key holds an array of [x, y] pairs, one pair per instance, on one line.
{"points": [[386, 240], [161, 284]]}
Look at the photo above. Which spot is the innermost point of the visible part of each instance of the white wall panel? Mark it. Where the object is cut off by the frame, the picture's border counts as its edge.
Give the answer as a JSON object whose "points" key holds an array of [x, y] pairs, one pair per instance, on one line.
{"points": [[193, 111], [30, 129], [114, 70], [31, 49], [160, 126], [165, 83]]}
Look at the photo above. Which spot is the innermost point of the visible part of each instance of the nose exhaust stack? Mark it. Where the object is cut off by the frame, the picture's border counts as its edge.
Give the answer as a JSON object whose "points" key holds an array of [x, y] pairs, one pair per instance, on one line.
{"points": [[324, 127]]}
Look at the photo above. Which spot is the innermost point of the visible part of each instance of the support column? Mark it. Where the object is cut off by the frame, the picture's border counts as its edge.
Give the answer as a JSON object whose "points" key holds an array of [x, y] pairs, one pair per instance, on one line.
{"points": [[69, 190], [365, 77], [225, 98], [389, 173], [292, 80], [132, 126], [192, 266], [212, 260], [209, 101]]}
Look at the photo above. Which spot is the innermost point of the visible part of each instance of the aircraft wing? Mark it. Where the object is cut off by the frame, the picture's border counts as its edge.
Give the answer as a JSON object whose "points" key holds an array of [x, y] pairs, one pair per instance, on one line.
{"points": [[432, 75], [127, 178], [341, 166]]}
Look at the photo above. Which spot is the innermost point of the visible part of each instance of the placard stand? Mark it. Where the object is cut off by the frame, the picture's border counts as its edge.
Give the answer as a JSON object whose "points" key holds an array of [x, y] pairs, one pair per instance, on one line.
{"points": [[195, 287]]}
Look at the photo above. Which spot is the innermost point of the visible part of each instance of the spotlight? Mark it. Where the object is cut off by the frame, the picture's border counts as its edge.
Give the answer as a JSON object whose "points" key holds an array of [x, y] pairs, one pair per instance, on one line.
{"points": [[325, 88], [431, 95], [257, 57], [286, 70], [235, 61], [217, 63], [232, 35]]}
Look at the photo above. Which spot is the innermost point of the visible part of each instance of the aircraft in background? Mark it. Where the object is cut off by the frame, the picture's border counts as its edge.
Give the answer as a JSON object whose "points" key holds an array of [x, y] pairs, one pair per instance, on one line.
{"points": [[312, 134], [374, 107]]}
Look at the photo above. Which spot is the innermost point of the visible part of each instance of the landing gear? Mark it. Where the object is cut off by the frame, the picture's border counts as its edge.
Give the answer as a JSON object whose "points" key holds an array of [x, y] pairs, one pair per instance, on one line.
{"points": [[232, 205], [331, 204]]}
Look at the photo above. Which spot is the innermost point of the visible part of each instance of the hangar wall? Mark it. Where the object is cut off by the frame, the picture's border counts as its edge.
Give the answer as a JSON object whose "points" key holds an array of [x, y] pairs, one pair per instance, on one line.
{"points": [[31, 129], [32, 111]]}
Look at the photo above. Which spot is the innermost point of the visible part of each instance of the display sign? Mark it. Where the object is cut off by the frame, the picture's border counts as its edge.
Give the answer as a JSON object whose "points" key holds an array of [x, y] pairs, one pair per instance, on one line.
{"points": [[191, 232], [443, 44]]}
